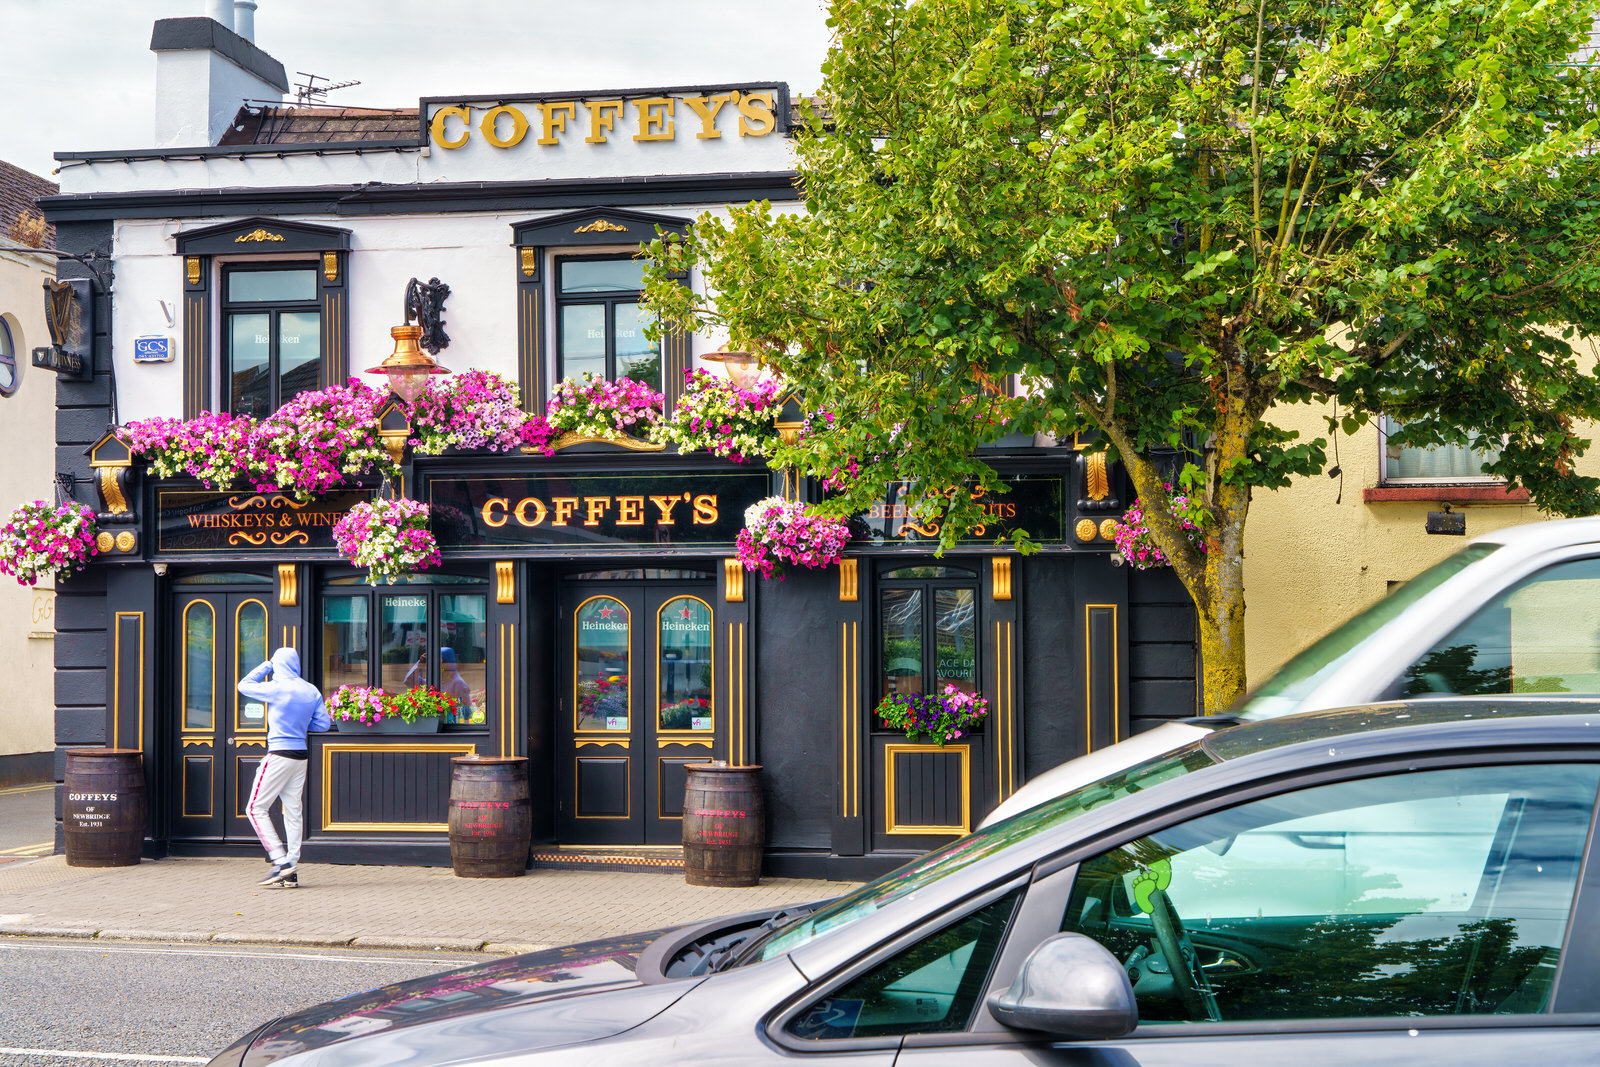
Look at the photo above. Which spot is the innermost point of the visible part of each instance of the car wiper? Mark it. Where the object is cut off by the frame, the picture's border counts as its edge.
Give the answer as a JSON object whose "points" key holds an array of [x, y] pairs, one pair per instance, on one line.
{"points": [[1215, 722], [725, 957]]}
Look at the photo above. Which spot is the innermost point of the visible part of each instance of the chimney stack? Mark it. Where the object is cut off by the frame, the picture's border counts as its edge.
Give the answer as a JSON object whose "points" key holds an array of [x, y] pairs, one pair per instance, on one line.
{"points": [[220, 12], [205, 72], [244, 19]]}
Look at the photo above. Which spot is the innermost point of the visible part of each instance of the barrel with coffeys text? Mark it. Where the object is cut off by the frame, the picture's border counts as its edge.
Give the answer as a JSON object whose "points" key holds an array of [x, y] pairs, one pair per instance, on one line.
{"points": [[491, 818], [724, 825], [104, 807]]}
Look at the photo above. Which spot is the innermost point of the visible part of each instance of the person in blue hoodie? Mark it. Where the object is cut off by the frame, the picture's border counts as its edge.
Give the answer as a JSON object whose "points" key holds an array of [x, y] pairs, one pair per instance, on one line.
{"points": [[294, 707]]}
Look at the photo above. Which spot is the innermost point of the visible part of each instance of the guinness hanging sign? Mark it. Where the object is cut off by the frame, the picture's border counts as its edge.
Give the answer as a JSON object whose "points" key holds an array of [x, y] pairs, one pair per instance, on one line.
{"points": [[69, 313]]}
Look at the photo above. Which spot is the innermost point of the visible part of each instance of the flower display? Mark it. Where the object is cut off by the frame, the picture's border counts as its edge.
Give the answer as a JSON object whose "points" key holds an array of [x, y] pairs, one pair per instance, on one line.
{"points": [[388, 537], [600, 408], [41, 539], [681, 714], [778, 532], [476, 409], [719, 417], [1135, 542], [215, 447], [317, 440], [937, 718], [369, 705], [357, 703], [418, 702], [539, 435], [606, 697]]}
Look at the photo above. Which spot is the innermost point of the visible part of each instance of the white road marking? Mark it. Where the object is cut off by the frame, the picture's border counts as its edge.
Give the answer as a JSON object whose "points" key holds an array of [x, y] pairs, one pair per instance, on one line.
{"points": [[117, 1057], [104, 947]]}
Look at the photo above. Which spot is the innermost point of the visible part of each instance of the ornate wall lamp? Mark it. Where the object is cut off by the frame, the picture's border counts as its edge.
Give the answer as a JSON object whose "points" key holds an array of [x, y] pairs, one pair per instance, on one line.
{"points": [[742, 368], [408, 367]]}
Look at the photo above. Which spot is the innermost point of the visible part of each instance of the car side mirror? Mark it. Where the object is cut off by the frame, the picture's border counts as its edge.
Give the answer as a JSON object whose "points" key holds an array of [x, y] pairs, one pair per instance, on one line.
{"points": [[1070, 986]]}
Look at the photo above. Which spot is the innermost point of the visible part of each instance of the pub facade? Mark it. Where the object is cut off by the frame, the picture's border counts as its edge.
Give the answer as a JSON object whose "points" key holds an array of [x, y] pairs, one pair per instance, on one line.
{"points": [[590, 612]]}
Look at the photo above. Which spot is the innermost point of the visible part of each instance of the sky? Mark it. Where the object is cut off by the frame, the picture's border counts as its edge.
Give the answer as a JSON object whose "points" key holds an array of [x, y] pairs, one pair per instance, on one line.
{"points": [[78, 75]]}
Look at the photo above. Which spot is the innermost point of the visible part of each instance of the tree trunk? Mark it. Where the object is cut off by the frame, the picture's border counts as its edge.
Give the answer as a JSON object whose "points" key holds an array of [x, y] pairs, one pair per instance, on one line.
{"points": [[1222, 633]]}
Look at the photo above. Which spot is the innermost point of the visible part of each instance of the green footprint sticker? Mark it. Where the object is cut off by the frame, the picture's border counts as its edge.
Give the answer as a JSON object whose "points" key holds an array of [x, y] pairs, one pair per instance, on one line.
{"points": [[1156, 876]]}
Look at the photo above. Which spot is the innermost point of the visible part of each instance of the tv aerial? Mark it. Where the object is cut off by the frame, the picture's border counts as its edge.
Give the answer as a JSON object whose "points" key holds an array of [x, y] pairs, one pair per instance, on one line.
{"points": [[312, 93]]}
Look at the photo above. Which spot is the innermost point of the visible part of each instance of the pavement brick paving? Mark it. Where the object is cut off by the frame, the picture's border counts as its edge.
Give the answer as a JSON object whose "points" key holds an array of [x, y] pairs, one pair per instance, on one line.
{"points": [[204, 899]]}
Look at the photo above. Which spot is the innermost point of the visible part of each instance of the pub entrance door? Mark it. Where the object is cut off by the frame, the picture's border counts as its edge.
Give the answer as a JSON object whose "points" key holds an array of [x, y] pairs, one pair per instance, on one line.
{"points": [[221, 737], [635, 706]]}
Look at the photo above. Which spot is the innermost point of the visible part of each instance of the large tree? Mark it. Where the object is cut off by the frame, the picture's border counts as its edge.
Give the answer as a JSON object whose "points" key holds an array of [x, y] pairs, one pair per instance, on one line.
{"points": [[1162, 218]]}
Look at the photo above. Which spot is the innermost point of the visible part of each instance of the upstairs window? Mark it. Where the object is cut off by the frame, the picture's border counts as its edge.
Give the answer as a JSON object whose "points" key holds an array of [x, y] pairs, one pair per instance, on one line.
{"points": [[600, 320], [271, 336], [1450, 463]]}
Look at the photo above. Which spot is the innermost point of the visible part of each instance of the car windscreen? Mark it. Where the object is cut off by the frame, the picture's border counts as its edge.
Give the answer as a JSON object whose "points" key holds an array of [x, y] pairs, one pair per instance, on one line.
{"points": [[1282, 693], [962, 854]]}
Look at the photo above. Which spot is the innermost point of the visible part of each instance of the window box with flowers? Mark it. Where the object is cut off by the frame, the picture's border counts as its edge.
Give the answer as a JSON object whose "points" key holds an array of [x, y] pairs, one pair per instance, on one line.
{"points": [[418, 710]]}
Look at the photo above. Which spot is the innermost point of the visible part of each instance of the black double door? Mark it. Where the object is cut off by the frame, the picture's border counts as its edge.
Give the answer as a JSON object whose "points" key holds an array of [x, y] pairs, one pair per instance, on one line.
{"points": [[636, 706]]}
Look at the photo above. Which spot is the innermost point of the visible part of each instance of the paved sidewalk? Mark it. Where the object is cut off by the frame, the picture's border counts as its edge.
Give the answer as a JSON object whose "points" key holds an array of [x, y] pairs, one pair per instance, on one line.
{"points": [[373, 907]]}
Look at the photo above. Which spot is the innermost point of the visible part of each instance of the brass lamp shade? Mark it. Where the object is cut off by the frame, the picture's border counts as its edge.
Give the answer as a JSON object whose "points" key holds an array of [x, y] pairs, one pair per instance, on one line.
{"points": [[743, 368], [408, 366]]}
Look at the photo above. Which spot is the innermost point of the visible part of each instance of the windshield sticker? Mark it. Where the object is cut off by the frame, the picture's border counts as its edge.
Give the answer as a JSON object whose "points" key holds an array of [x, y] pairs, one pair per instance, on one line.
{"points": [[1156, 876]]}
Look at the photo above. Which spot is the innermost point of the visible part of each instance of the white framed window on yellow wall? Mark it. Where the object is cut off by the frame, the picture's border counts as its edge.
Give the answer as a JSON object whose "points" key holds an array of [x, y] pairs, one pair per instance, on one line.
{"points": [[1409, 464]]}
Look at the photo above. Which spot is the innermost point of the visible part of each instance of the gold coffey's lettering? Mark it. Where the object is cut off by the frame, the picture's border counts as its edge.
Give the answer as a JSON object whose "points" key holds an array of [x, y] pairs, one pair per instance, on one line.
{"points": [[555, 115], [600, 121], [707, 107], [705, 509], [655, 118], [755, 114], [630, 511], [594, 508], [665, 504], [489, 506], [491, 130], [522, 511], [565, 506], [441, 138]]}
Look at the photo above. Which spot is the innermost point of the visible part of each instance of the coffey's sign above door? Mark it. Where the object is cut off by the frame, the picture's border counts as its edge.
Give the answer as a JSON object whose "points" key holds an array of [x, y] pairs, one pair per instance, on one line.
{"points": [[702, 510]]}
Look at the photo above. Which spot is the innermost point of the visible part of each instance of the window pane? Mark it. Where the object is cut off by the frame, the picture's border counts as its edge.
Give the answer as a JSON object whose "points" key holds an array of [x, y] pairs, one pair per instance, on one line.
{"points": [[464, 655], [276, 285], [299, 353], [199, 645], [930, 988], [249, 351], [403, 642], [637, 357], [931, 572], [1436, 893], [583, 340], [1442, 461], [250, 650], [1543, 636], [602, 275], [344, 642], [900, 634], [683, 675], [603, 629], [10, 370], [955, 620]]}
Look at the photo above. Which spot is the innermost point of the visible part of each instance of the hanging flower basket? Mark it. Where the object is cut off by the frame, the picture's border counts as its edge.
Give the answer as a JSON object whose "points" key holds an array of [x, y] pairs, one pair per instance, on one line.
{"points": [[317, 440], [476, 409], [714, 415], [778, 532], [1137, 545], [214, 447], [594, 407], [388, 537], [41, 539], [936, 718]]}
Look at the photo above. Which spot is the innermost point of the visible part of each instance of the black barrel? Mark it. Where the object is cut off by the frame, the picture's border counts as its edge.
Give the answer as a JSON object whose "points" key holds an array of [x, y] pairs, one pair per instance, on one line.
{"points": [[491, 820], [104, 808], [724, 825]]}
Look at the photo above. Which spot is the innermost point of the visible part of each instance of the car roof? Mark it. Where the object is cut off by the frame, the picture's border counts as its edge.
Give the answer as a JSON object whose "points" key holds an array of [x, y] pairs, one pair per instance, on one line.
{"points": [[1553, 533]]}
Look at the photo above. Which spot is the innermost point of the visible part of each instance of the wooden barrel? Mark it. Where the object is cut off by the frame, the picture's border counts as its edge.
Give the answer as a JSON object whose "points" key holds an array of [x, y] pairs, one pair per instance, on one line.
{"points": [[724, 825], [491, 820], [103, 807]]}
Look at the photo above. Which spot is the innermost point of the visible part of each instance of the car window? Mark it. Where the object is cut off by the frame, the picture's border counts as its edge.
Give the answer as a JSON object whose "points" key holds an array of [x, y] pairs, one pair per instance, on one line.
{"points": [[931, 987], [1540, 636], [1432, 893]]}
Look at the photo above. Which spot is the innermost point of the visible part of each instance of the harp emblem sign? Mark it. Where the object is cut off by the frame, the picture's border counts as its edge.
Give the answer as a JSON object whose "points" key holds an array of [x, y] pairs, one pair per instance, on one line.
{"points": [[63, 314]]}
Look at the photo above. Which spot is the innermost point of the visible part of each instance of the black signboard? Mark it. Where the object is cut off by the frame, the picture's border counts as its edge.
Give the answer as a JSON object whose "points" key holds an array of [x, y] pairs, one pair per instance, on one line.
{"points": [[204, 520], [1036, 503], [606, 510]]}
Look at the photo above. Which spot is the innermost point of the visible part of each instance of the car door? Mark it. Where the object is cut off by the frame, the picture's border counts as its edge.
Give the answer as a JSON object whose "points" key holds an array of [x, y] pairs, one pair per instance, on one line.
{"points": [[1429, 915]]}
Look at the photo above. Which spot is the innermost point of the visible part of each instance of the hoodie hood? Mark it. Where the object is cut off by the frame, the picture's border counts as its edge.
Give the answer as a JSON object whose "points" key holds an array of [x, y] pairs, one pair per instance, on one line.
{"points": [[285, 663]]}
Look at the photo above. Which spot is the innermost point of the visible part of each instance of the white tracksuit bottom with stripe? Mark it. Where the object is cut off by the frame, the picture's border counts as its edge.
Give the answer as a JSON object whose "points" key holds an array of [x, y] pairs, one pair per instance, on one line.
{"points": [[279, 778]]}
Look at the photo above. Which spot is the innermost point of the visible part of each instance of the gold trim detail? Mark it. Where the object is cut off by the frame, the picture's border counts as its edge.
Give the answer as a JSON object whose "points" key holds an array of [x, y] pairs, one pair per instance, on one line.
{"points": [[1005, 711], [125, 541], [733, 580], [850, 726], [601, 226], [330, 266], [109, 489], [1001, 565], [191, 269], [567, 440], [627, 776], [246, 742], [328, 750], [530, 261], [1096, 476], [1108, 529], [627, 644], [288, 585], [690, 742], [104, 542], [238, 664], [183, 640], [505, 584], [203, 741], [257, 235], [116, 675], [1085, 529], [211, 791], [621, 742], [849, 580], [890, 826], [1088, 678], [711, 653]]}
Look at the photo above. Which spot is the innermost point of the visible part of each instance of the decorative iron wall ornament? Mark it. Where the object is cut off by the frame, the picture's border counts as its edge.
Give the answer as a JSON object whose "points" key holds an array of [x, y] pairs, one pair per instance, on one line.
{"points": [[425, 307]]}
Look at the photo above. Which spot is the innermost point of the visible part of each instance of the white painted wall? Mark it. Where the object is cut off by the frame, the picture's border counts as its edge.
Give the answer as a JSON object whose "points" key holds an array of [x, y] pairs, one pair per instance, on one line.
{"points": [[198, 93]]}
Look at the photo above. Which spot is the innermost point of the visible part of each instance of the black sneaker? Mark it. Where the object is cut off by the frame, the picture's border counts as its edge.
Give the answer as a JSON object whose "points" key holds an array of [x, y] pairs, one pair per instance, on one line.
{"points": [[289, 881], [279, 873]]}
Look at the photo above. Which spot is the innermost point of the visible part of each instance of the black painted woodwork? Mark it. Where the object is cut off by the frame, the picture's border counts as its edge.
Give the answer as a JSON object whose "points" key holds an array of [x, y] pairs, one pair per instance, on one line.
{"points": [[239, 238], [797, 698], [1052, 690], [1100, 595], [595, 227], [384, 784], [1164, 651]]}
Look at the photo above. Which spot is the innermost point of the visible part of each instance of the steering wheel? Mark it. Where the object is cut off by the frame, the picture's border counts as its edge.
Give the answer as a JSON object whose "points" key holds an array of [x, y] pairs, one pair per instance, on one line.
{"points": [[1193, 986]]}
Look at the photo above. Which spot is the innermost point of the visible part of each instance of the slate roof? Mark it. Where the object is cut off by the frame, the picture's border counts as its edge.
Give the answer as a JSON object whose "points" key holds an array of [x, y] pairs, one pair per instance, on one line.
{"points": [[18, 191]]}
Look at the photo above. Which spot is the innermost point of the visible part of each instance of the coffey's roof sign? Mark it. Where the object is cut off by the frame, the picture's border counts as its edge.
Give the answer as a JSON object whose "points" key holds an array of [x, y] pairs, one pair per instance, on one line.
{"points": [[545, 120]]}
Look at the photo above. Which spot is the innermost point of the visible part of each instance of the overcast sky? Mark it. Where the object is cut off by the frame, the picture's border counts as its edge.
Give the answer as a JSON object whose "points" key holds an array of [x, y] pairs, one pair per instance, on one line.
{"points": [[78, 75]]}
